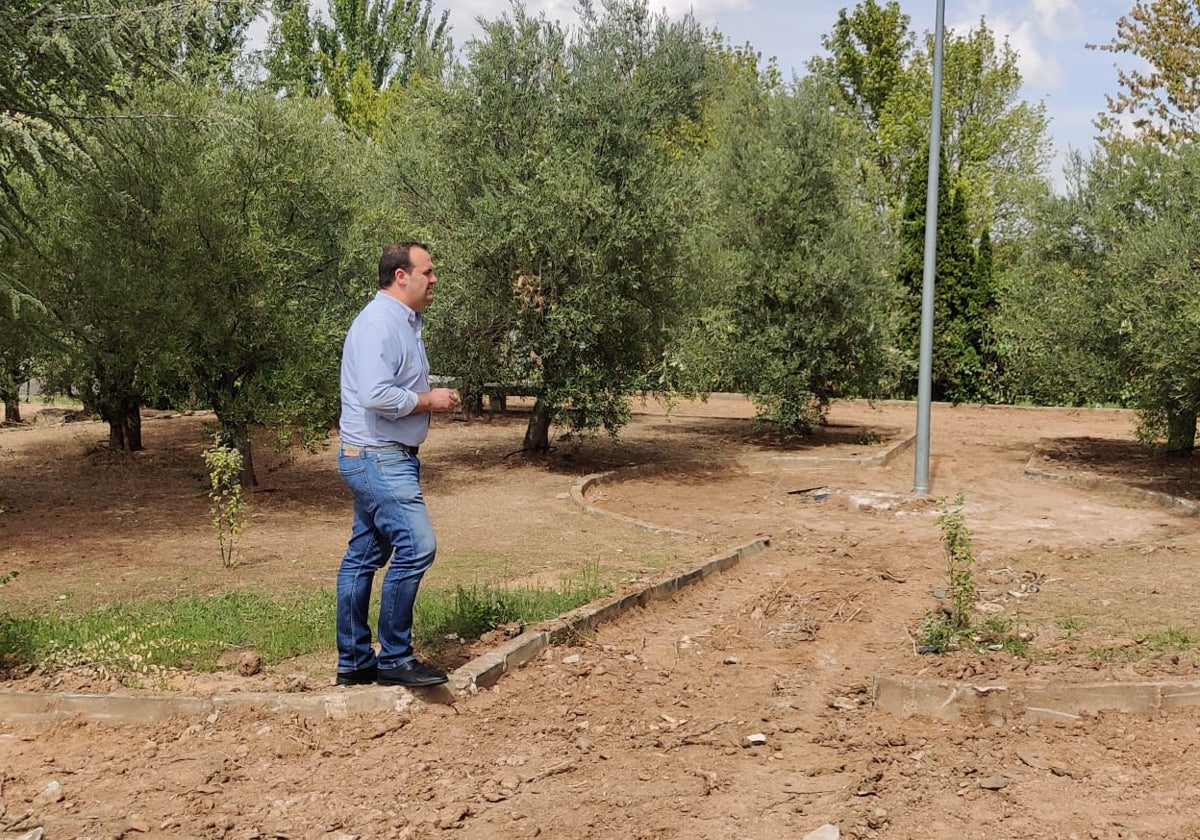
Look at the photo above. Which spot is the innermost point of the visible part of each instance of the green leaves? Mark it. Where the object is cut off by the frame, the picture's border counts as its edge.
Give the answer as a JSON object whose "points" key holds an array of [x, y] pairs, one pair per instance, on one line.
{"points": [[1159, 97], [554, 190]]}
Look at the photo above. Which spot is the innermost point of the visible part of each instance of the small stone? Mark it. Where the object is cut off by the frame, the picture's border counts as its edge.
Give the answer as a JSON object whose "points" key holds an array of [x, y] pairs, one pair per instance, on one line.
{"points": [[452, 816], [758, 739], [52, 792], [732, 660], [994, 783], [573, 659], [249, 664], [295, 682], [825, 832]]}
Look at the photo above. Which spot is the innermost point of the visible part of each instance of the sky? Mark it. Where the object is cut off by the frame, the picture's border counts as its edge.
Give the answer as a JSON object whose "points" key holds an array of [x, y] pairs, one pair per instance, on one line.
{"points": [[1050, 37]]}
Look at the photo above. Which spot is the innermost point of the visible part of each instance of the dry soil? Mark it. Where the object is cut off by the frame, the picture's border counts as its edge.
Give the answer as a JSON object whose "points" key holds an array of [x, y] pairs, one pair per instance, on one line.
{"points": [[740, 708]]}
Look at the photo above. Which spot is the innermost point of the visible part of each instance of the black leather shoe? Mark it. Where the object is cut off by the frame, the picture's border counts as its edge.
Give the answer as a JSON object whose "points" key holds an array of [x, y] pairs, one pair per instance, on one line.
{"points": [[363, 676], [412, 673]]}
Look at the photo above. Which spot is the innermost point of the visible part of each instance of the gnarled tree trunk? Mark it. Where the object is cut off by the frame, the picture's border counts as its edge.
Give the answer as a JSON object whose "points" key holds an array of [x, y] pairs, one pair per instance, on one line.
{"points": [[1181, 432], [537, 433]]}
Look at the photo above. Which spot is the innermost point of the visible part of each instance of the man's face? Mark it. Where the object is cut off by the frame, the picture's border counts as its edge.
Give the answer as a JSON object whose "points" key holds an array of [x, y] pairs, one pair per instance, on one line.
{"points": [[416, 286]]}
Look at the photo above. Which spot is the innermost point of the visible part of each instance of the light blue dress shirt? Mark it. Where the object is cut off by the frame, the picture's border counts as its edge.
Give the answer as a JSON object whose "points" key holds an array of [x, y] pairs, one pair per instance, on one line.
{"points": [[384, 367]]}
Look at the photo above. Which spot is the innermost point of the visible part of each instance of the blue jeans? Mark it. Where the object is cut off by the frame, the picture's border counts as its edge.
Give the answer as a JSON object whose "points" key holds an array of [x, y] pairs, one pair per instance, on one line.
{"points": [[390, 522]]}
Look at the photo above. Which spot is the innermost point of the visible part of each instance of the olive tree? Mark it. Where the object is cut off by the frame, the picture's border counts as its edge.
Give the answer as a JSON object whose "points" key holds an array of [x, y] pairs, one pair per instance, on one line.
{"points": [[211, 263], [785, 259], [550, 184], [1104, 308]]}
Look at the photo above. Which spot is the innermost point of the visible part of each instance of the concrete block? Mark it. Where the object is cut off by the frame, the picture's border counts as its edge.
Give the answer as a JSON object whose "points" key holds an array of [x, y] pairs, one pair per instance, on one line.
{"points": [[1067, 700], [22, 707], [116, 708], [1183, 696]]}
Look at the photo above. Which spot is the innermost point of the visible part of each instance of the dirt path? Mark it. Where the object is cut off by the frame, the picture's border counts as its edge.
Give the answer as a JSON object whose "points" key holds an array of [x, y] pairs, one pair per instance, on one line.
{"points": [[740, 708]]}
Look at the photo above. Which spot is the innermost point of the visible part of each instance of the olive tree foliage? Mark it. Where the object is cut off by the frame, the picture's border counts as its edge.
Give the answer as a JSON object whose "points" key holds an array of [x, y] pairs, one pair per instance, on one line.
{"points": [[24, 341], [785, 259], [361, 57], [269, 239], [1108, 309], [1056, 303], [210, 264], [92, 261], [1159, 99], [547, 177], [64, 66], [997, 144]]}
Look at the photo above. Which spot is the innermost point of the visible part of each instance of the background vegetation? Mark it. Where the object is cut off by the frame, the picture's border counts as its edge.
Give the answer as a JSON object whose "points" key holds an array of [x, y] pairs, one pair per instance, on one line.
{"points": [[628, 206]]}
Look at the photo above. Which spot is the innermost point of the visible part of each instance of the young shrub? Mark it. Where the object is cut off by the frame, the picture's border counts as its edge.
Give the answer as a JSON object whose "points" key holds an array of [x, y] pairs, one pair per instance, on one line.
{"points": [[228, 509]]}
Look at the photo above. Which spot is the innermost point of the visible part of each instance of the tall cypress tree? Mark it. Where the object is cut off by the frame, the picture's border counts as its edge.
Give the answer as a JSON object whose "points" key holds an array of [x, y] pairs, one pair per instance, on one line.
{"points": [[956, 351]]}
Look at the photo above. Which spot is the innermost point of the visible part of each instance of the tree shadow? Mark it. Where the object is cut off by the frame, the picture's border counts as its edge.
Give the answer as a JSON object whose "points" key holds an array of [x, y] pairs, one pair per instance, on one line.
{"points": [[1128, 462]]}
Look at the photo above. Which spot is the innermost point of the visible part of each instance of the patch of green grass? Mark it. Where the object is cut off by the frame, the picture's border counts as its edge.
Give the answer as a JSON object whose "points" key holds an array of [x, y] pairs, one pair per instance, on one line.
{"points": [[467, 612], [1168, 640], [145, 638], [1000, 632], [1069, 624], [868, 437], [188, 632]]}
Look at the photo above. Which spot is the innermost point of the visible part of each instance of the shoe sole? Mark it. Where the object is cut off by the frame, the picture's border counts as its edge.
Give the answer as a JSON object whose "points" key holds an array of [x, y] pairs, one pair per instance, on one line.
{"points": [[413, 683]]}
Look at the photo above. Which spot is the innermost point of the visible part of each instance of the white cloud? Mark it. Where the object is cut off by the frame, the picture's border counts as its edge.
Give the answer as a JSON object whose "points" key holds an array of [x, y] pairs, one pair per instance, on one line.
{"points": [[1058, 20], [705, 11], [1038, 69], [1027, 34]]}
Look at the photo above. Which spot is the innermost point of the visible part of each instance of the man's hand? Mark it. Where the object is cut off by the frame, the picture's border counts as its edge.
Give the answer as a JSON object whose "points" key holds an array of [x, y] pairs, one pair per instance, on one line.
{"points": [[442, 399]]}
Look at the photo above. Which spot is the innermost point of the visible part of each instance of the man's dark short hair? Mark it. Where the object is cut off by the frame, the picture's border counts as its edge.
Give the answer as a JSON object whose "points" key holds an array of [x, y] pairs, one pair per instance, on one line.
{"points": [[396, 256]]}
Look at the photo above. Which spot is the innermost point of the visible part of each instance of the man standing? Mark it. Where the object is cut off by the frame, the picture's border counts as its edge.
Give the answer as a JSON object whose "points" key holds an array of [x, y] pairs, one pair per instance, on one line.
{"points": [[386, 405]]}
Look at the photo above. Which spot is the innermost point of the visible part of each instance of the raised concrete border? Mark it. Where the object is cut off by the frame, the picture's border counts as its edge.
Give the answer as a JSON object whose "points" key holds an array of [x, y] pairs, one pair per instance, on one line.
{"points": [[1104, 485], [487, 669], [481, 672], [998, 704], [583, 486]]}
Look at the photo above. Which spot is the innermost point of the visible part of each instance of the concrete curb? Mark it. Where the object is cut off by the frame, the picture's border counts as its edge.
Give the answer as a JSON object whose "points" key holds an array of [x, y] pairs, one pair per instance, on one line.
{"points": [[487, 669], [481, 672], [584, 485], [1105, 485], [998, 704]]}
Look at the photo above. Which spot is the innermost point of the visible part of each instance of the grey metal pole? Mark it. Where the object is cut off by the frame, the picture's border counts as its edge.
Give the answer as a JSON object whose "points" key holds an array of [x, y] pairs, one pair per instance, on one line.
{"points": [[925, 366]]}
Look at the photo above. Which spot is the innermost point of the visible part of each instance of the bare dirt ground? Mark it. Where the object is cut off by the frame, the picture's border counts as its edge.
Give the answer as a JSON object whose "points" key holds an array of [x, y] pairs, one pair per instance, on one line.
{"points": [[648, 727]]}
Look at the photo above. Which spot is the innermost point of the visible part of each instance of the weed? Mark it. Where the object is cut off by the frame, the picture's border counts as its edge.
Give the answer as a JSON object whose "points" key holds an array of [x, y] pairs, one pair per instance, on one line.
{"points": [[1171, 640], [468, 612], [124, 653], [960, 560], [952, 626], [1168, 640], [869, 437], [228, 509], [1070, 623], [999, 633]]}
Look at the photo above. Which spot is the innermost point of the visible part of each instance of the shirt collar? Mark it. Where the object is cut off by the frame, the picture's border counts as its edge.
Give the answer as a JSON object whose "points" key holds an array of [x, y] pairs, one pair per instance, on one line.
{"points": [[411, 314]]}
